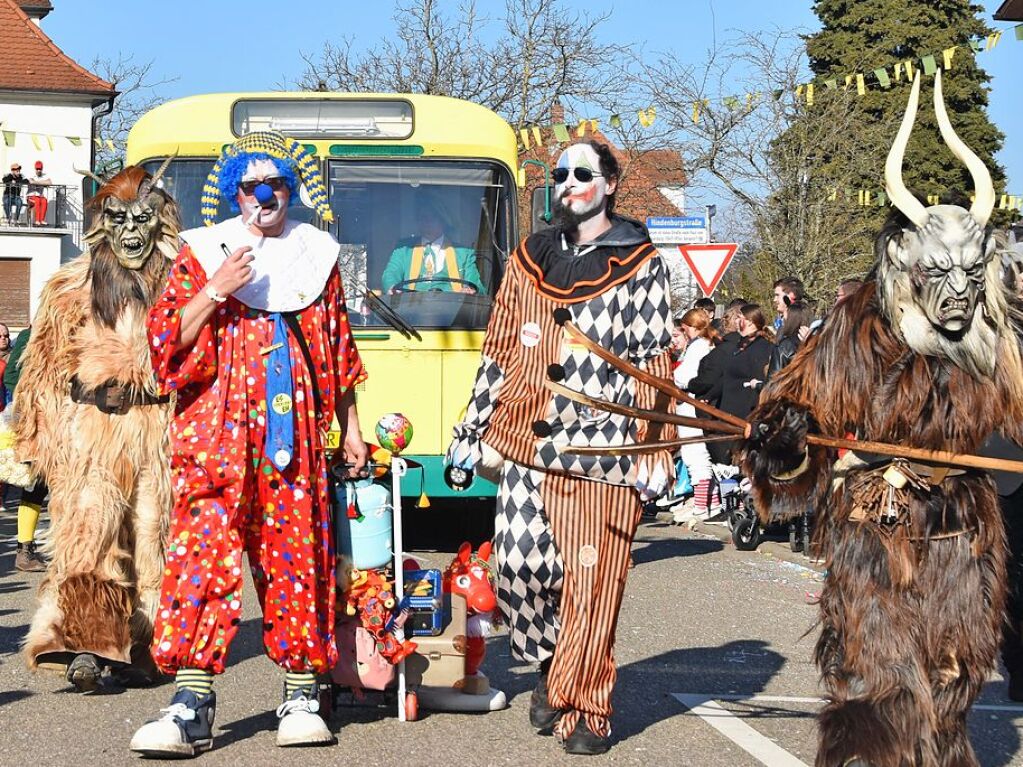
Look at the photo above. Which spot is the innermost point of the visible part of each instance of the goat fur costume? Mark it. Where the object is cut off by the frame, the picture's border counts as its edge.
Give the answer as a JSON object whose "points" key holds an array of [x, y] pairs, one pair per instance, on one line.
{"points": [[107, 471], [927, 354]]}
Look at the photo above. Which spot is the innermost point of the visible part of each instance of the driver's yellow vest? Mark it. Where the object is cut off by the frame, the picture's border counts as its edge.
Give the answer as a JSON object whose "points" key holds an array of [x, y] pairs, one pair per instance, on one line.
{"points": [[450, 261]]}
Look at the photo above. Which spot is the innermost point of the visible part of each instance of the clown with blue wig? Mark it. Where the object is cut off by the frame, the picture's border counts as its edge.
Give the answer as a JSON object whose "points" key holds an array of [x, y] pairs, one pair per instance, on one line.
{"points": [[251, 334]]}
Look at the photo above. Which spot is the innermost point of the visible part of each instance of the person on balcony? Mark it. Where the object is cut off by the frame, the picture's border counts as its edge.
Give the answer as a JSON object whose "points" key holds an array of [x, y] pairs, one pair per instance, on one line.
{"points": [[37, 194], [13, 203]]}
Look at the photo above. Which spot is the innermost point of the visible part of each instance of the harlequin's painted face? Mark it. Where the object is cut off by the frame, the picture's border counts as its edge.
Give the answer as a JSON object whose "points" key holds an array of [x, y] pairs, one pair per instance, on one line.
{"points": [[580, 190]]}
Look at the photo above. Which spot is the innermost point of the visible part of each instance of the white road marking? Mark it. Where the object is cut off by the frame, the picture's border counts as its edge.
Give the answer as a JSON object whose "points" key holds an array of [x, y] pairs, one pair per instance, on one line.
{"points": [[766, 751]]}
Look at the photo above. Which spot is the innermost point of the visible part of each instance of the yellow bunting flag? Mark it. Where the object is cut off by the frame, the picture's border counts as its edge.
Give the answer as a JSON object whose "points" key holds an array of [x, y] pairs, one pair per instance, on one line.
{"points": [[647, 116], [561, 133], [909, 69], [831, 85], [8, 138], [809, 95], [833, 194], [882, 199], [524, 135], [49, 142], [992, 39], [536, 136], [75, 140], [36, 142], [930, 65], [861, 86], [1019, 31], [883, 78], [933, 199], [848, 81], [583, 125], [698, 106], [615, 121], [110, 146], [947, 54], [1004, 202], [731, 103]]}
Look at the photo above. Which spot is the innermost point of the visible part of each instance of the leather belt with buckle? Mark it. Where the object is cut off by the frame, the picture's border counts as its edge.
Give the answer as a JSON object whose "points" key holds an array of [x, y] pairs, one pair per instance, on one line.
{"points": [[113, 398]]}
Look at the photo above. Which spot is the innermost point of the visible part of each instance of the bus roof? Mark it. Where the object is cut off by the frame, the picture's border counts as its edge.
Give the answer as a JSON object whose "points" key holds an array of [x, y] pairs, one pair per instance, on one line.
{"points": [[199, 126]]}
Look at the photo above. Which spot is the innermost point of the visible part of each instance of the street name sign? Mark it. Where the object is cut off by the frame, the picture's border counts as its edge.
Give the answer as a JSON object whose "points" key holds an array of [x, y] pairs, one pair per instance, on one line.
{"points": [[677, 230], [708, 262]]}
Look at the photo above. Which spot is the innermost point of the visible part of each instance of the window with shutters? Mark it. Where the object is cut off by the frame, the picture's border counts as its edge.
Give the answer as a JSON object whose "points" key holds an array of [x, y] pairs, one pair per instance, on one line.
{"points": [[14, 292]]}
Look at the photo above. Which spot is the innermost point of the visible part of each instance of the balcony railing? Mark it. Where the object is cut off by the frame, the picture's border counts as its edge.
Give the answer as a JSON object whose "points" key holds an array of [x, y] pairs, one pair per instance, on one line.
{"points": [[43, 206]]}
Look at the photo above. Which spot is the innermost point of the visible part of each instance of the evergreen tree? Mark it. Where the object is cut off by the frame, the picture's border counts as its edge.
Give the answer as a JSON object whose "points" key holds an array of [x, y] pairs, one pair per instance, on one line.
{"points": [[864, 35]]}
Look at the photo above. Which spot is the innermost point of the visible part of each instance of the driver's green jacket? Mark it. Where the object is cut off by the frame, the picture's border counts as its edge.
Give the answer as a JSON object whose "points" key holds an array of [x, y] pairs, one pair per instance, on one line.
{"points": [[400, 267]]}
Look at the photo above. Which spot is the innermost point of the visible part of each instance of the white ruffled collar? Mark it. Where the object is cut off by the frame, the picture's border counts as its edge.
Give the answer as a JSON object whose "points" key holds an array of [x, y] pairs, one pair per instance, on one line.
{"points": [[290, 270]]}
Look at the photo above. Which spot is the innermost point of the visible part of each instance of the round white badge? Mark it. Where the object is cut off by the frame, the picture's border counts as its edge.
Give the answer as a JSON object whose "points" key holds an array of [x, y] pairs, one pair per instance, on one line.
{"points": [[282, 458], [529, 336], [588, 555], [281, 404]]}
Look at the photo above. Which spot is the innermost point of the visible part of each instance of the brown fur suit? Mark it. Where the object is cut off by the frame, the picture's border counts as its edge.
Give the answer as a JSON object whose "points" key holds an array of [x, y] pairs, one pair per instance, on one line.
{"points": [[910, 618], [108, 475]]}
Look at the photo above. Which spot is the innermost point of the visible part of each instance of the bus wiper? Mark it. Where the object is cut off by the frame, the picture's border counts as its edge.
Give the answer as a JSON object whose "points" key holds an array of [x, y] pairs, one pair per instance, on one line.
{"points": [[382, 309]]}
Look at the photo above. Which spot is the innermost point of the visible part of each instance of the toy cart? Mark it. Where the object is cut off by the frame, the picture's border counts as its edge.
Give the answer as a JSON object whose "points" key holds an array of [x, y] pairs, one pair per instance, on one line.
{"points": [[434, 675]]}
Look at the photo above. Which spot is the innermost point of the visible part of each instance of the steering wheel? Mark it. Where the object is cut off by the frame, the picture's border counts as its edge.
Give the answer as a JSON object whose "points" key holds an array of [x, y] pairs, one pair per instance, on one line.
{"points": [[403, 286]]}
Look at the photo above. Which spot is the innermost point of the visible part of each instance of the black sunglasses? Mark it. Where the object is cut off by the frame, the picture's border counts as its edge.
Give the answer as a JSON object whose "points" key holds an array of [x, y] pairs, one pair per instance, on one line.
{"points": [[560, 175], [274, 182]]}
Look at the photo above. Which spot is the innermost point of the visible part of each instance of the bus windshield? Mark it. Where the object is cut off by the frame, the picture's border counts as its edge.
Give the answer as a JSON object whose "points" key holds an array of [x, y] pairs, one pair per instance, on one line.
{"points": [[429, 236]]}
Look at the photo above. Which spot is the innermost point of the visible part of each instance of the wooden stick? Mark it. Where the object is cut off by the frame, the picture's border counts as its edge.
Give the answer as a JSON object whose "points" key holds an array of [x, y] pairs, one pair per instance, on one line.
{"points": [[649, 379], [923, 455], [647, 447], [645, 415]]}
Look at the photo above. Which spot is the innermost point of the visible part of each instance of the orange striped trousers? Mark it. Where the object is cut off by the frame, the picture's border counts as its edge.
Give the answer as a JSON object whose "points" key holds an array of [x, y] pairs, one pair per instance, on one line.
{"points": [[572, 607]]}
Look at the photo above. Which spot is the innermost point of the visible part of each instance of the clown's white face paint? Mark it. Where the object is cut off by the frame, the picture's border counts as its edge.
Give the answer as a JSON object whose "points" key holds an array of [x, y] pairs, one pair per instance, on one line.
{"points": [[583, 198], [265, 220]]}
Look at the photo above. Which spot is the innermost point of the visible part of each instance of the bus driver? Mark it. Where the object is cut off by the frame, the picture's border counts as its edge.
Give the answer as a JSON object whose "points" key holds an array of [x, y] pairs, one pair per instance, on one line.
{"points": [[431, 261]]}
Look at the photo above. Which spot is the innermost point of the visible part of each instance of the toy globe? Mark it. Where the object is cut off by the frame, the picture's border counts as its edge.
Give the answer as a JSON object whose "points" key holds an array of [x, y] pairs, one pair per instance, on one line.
{"points": [[394, 432]]}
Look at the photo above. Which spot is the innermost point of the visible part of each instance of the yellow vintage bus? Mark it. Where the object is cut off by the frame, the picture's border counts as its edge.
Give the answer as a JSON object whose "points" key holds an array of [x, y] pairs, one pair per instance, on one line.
{"points": [[385, 159]]}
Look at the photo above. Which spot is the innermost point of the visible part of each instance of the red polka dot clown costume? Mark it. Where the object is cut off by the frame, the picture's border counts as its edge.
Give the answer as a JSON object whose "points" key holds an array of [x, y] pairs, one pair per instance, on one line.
{"points": [[248, 472]]}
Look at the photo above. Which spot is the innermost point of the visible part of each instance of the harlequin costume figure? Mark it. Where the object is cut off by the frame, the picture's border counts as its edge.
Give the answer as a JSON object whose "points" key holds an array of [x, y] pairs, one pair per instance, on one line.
{"points": [[912, 608], [565, 523], [91, 422], [252, 335]]}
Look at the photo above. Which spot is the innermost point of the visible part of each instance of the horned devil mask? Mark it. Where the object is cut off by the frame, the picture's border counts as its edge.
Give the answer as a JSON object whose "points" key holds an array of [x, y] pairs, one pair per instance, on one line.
{"points": [[934, 275]]}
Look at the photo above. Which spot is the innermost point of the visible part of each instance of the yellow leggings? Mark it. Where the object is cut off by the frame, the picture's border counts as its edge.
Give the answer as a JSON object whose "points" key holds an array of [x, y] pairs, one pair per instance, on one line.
{"points": [[28, 512]]}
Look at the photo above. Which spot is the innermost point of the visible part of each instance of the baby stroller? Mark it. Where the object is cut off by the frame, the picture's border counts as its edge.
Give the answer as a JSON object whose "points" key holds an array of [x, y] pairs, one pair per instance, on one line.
{"points": [[747, 532]]}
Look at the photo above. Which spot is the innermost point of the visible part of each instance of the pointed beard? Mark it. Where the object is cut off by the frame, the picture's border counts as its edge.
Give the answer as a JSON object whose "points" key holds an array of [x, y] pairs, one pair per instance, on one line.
{"points": [[567, 220]]}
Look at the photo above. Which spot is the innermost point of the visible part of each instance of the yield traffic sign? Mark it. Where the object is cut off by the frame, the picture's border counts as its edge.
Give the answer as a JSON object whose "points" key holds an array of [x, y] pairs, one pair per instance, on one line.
{"points": [[708, 262]]}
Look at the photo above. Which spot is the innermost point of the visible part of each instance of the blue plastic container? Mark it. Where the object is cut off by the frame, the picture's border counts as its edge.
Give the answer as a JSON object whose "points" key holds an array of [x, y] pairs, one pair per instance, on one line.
{"points": [[366, 540]]}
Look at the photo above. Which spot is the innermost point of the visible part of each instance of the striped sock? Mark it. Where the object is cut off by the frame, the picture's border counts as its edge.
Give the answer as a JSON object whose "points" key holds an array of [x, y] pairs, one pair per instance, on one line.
{"points": [[297, 680], [197, 680]]}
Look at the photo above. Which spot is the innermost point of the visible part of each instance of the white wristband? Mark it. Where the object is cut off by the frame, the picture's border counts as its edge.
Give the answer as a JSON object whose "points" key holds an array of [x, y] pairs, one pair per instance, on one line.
{"points": [[214, 295]]}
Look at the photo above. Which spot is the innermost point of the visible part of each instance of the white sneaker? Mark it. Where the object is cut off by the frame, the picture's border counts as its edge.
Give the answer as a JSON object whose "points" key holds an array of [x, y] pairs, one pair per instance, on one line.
{"points": [[685, 513], [184, 729], [300, 722]]}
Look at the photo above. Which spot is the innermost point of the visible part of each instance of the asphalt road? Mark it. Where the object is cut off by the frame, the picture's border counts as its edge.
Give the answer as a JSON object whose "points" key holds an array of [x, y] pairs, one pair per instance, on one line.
{"points": [[703, 625]]}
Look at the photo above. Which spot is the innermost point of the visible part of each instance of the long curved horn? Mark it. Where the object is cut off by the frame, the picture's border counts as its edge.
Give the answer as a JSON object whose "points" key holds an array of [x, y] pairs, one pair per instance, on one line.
{"points": [[893, 184], [162, 169], [984, 189], [89, 174]]}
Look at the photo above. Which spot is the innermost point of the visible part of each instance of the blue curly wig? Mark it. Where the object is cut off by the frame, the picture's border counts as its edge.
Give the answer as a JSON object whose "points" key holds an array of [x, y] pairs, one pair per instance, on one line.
{"points": [[234, 169]]}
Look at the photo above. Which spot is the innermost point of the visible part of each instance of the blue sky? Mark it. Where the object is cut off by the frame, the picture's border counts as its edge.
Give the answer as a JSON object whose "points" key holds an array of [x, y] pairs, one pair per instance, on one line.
{"points": [[200, 43]]}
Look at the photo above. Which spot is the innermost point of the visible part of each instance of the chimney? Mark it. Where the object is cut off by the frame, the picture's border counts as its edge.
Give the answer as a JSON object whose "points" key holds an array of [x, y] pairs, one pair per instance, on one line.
{"points": [[35, 9], [557, 113]]}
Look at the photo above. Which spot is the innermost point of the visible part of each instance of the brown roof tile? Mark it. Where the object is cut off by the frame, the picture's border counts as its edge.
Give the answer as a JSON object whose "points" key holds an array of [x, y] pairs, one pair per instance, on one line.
{"points": [[30, 61]]}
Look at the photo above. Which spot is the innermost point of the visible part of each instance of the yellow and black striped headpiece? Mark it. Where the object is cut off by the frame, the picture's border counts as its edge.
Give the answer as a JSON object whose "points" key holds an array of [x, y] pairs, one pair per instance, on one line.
{"points": [[272, 144]]}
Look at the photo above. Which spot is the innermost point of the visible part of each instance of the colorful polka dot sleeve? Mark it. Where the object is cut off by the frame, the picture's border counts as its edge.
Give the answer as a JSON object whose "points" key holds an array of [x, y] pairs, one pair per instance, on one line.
{"points": [[229, 499]]}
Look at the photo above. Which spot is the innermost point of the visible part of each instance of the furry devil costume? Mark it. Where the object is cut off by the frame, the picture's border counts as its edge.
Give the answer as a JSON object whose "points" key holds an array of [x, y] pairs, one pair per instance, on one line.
{"points": [[92, 426], [927, 354]]}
